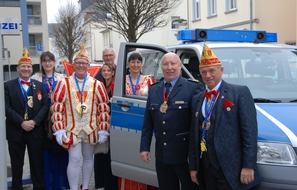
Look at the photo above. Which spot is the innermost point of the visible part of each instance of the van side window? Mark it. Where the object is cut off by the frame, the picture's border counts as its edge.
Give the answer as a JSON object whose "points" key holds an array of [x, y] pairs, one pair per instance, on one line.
{"points": [[143, 70]]}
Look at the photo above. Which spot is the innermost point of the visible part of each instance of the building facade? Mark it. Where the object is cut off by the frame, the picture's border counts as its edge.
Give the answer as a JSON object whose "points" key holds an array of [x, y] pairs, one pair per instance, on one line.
{"points": [[100, 38], [36, 14], [270, 15]]}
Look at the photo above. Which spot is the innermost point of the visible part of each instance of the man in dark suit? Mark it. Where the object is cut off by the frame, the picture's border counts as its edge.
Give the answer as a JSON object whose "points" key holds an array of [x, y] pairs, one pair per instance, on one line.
{"points": [[25, 107], [223, 140], [168, 116]]}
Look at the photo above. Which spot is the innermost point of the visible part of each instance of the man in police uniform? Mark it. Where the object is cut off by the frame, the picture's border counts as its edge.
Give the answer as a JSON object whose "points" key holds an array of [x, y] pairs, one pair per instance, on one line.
{"points": [[26, 107], [168, 116]]}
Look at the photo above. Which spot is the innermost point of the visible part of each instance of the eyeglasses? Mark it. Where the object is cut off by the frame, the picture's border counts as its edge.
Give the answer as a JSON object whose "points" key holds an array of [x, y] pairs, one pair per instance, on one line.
{"points": [[47, 61], [108, 55], [81, 63]]}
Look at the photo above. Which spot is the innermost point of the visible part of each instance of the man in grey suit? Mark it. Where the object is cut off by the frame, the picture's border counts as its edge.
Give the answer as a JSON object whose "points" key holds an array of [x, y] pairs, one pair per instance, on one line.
{"points": [[223, 140], [168, 116]]}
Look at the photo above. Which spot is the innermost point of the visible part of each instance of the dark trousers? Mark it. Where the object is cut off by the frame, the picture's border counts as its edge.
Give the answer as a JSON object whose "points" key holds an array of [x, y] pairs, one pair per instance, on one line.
{"points": [[17, 154], [171, 176], [102, 172], [213, 178]]}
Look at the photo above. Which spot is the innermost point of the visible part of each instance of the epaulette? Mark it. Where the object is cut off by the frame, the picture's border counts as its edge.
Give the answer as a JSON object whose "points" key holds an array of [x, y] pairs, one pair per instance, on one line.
{"points": [[155, 83], [193, 80]]}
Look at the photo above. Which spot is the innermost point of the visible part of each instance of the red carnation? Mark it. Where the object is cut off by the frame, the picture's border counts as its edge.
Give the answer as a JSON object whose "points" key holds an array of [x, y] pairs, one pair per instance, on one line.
{"points": [[228, 103]]}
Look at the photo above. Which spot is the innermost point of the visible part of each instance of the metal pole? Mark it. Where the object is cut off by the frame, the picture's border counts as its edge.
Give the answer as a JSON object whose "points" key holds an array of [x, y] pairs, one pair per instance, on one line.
{"points": [[24, 16], [251, 14], [3, 162], [8, 59]]}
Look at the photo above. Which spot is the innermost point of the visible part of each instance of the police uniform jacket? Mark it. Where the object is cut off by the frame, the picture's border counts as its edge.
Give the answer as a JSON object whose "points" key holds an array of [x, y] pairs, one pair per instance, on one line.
{"points": [[171, 129]]}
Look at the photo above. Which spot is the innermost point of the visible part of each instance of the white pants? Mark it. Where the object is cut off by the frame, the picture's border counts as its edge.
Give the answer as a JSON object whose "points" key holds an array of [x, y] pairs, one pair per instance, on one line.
{"points": [[73, 169]]}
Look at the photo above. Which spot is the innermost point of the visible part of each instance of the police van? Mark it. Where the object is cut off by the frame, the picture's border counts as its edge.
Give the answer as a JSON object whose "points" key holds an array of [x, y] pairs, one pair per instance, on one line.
{"points": [[249, 58]]}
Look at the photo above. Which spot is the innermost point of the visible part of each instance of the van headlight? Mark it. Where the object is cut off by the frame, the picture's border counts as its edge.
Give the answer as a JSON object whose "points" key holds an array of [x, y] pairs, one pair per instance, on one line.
{"points": [[276, 153]]}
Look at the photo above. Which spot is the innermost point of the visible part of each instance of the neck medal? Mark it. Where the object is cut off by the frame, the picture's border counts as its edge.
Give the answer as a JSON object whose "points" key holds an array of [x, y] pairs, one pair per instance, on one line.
{"points": [[163, 107]]}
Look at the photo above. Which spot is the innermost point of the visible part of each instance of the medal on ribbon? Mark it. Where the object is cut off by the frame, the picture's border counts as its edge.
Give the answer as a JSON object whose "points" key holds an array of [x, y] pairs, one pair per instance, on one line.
{"points": [[163, 107], [82, 108], [206, 125], [203, 145], [30, 101]]}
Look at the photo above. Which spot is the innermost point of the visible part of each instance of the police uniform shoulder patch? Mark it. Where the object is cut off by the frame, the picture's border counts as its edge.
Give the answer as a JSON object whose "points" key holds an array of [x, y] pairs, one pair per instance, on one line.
{"points": [[155, 83], [193, 80]]}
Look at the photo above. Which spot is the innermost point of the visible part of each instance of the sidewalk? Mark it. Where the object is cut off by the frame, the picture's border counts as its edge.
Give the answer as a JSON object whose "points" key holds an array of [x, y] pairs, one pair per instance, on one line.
{"points": [[26, 172]]}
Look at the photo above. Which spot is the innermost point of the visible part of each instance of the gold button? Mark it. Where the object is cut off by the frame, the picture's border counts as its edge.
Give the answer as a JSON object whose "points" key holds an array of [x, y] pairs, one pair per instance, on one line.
{"points": [[164, 122], [165, 144]]}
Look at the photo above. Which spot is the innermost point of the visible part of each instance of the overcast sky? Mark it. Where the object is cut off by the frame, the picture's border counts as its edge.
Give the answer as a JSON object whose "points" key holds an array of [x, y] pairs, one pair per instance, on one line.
{"points": [[53, 7]]}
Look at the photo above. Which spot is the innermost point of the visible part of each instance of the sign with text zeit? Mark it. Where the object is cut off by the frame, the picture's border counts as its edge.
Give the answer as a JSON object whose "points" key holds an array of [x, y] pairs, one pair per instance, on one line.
{"points": [[9, 26]]}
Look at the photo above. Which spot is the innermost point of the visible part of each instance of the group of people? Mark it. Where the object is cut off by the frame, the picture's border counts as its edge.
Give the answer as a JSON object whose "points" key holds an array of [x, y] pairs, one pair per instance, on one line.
{"points": [[206, 136]]}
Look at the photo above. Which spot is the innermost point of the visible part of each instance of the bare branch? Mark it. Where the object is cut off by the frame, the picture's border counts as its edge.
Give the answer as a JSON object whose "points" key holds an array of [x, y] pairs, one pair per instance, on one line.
{"points": [[132, 18], [68, 34]]}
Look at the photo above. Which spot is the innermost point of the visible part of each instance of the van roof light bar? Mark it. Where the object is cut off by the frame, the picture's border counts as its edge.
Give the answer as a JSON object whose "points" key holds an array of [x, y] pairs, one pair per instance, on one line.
{"points": [[223, 35]]}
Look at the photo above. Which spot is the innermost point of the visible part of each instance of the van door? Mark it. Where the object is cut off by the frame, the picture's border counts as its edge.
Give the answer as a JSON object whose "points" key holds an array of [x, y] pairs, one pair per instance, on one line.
{"points": [[127, 116]]}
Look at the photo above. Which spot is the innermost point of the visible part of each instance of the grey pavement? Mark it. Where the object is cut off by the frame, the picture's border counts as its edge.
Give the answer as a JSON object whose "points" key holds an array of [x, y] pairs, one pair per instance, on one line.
{"points": [[26, 172]]}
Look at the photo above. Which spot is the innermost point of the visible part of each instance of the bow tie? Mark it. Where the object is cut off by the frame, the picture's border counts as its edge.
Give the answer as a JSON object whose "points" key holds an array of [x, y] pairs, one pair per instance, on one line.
{"points": [[27, 83], [208, 94]]}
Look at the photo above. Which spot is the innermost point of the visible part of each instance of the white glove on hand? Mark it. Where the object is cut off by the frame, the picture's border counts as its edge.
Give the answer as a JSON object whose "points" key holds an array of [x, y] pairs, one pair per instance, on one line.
{"points": [[103, 136], [60, 134]]}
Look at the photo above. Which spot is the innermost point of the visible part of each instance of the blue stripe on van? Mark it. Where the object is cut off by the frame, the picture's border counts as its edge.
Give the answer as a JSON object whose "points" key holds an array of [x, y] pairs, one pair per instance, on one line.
{"points": [[285, 114], [131, 119]]}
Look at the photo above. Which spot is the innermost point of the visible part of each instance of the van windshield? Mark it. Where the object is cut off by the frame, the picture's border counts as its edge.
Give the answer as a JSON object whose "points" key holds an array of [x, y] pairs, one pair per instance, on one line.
{"points": [[270, 73]]}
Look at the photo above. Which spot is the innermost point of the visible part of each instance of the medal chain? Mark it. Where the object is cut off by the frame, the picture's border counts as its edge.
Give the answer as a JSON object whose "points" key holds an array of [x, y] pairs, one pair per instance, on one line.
{"points": [[206, 122]]}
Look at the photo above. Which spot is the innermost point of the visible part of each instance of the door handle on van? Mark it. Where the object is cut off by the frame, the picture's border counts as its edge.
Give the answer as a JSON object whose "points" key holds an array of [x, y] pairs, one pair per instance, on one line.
{"points": [[124, 105]]}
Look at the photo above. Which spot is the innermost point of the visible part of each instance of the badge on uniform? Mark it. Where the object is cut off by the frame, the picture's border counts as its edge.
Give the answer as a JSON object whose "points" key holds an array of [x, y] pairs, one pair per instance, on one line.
{"points": [[228, 104], [39, 95]]}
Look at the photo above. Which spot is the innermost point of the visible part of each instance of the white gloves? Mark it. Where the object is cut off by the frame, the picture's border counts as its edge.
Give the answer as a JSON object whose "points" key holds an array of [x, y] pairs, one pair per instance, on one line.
{"points": [[103, 136], [60, 134]]}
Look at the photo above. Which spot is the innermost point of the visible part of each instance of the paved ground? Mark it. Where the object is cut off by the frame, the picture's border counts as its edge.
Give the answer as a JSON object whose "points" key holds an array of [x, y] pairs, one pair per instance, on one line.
{"points": [[27, 173]]}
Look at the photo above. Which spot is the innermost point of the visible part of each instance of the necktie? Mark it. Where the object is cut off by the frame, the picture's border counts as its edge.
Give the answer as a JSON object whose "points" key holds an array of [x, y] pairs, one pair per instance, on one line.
{"points": [[27, 83], [208, 94], [167, 87]]}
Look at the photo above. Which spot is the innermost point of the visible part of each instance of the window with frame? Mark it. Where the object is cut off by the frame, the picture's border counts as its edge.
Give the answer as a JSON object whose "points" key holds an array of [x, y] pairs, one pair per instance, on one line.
{"points": [[212, 7], [106, 39], [196, 9], [230, 5], [178, 23]]}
